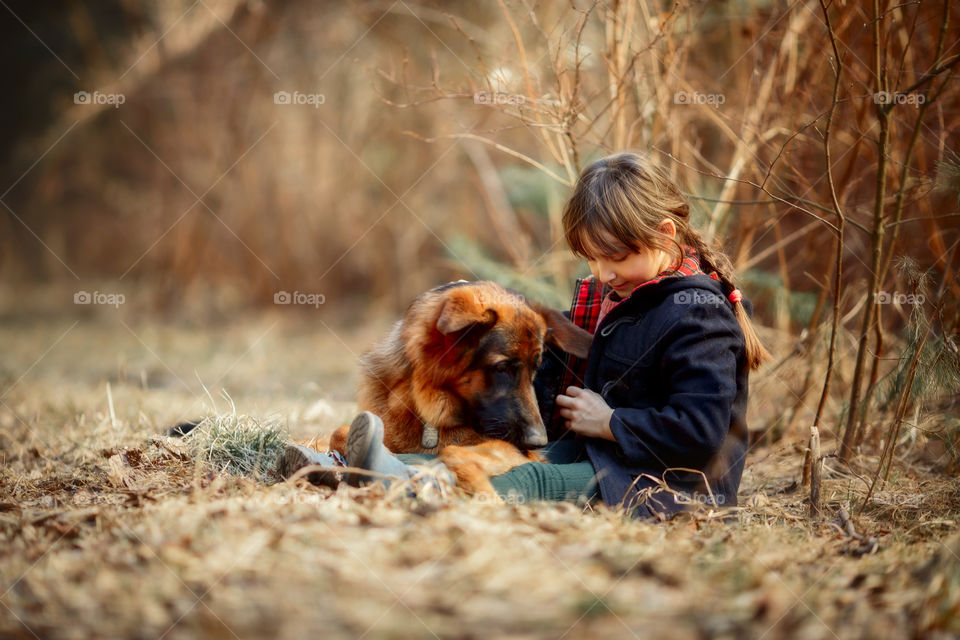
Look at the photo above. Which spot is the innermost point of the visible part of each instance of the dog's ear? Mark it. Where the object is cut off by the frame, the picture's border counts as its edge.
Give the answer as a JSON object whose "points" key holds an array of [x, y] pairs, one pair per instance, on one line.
{"points": [[462, 309], [564, 334]]}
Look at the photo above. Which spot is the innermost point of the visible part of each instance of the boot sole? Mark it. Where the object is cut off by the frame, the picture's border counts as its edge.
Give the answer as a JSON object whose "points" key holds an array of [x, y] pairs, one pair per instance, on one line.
{"points": [[296, 457], [362, 434]]}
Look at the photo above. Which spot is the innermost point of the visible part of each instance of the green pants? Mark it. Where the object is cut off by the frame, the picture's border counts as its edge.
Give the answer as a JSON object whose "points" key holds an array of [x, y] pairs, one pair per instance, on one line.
{"points": [[567, 475]]}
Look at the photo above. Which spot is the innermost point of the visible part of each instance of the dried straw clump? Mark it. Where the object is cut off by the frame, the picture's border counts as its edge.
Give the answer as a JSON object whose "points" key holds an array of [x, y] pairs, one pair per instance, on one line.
{"points": [[238, 444]]}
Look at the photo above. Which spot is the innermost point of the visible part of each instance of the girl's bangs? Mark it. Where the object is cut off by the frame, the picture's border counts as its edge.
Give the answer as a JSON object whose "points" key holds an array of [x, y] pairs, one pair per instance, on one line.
{"points": [[591, 236]]}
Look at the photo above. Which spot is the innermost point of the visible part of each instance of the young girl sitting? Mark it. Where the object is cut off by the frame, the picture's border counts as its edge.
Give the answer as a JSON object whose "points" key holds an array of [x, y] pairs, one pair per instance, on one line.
{"points": [[655, 418]]}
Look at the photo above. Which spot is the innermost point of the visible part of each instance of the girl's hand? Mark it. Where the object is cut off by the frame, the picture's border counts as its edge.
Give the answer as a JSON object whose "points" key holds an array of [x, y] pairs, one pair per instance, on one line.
{"points": [[587, 413]]}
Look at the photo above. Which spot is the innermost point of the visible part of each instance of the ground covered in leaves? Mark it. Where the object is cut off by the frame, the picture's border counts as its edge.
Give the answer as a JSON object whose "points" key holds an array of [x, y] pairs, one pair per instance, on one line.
{"points": [[108, 529]]}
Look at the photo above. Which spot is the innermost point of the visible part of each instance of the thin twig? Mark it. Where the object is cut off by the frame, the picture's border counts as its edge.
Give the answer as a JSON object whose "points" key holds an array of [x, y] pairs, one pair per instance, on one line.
{"points": [[838, 211], [870, 309]]}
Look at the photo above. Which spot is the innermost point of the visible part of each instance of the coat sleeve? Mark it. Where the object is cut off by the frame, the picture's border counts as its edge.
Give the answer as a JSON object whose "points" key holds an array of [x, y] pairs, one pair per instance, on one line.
{"points": [[689, 422]]}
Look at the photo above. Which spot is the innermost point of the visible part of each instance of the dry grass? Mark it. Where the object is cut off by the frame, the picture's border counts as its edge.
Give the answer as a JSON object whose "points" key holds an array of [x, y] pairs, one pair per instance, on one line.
{"points": [[237, 444], [108, 530]]}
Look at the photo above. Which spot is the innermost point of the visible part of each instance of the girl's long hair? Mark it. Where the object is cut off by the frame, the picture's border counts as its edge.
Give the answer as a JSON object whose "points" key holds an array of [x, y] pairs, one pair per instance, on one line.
{"points": [[621, 200]]}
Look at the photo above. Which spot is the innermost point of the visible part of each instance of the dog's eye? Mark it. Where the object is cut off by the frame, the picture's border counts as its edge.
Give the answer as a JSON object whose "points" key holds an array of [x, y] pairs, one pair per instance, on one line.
{"points": [[505, 366]]}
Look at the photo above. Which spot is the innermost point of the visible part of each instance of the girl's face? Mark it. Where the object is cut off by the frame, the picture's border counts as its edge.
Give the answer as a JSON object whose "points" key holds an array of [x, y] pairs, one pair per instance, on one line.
{"points": [[627, 268]]}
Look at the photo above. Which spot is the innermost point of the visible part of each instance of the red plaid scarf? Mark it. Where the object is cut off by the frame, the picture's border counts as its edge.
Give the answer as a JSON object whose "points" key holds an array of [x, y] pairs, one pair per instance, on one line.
{"points": [[591, 303]]}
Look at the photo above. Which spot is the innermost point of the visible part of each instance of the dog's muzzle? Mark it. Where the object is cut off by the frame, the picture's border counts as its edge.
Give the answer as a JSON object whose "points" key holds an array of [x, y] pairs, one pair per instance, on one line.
{"points": [[534, 436]]}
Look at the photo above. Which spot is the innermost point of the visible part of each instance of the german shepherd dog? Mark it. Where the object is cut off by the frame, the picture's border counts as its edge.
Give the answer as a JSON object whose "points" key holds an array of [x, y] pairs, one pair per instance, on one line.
{"points": [[454, 377]]}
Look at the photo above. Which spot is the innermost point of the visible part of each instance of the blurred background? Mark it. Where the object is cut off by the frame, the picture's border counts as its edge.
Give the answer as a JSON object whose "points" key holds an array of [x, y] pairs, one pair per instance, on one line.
{"points": [[201, 160], [435, 141]]}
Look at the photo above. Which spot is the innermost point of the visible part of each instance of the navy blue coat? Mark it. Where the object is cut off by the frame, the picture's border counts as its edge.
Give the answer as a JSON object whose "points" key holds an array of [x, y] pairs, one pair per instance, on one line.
{"points": [[671, 361]]}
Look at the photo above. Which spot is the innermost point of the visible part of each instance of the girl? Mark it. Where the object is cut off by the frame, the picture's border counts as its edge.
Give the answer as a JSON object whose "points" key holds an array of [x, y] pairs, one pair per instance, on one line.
{"points": [[655, 418], [660, 403]]}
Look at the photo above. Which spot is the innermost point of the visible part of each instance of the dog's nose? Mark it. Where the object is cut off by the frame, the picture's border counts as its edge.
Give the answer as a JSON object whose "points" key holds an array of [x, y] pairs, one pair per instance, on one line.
{"points": [[534, 435]]}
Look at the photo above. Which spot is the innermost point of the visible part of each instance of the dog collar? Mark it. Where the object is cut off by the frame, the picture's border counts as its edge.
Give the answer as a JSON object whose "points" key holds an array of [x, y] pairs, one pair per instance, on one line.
{"points": [[430, 437]]}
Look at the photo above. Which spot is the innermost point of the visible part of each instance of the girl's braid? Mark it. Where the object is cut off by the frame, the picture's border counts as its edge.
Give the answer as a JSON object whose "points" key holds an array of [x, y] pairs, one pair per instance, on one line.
{"points": [[716, 260], [712, 260]]}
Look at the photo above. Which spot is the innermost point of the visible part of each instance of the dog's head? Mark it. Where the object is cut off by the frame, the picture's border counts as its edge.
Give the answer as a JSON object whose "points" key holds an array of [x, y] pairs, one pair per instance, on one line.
{"points": [[475, 362]]}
